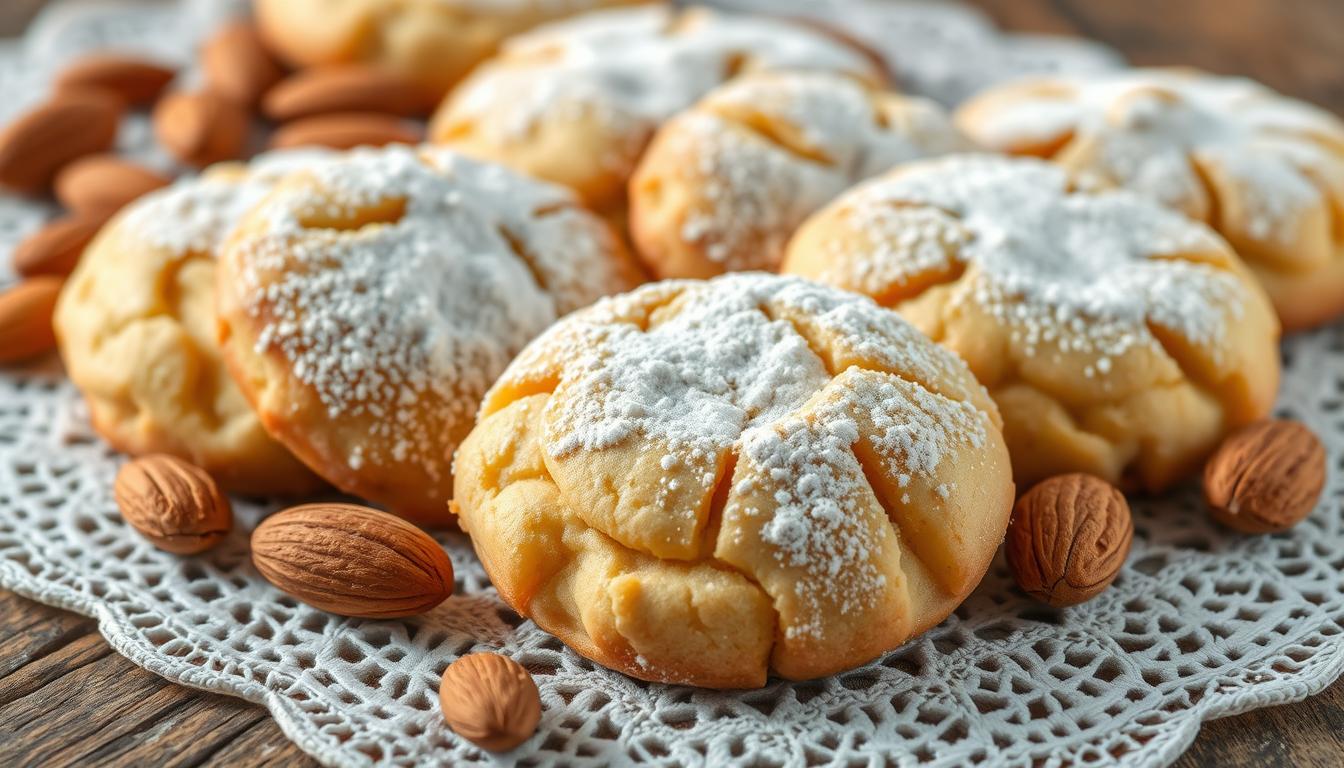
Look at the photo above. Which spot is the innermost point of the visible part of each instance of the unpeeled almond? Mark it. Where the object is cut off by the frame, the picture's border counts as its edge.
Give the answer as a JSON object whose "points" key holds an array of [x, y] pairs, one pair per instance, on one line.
{"points": [[237, 64], [25, 318], [136, 80], [70, 125], [105, 183], [351, 88], [345, 130], [55, 248], [202, 127]]}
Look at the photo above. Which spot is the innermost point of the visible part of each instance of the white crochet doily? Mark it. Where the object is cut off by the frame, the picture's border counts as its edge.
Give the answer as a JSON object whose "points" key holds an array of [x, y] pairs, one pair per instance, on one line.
{"points": [[1201, 623]]}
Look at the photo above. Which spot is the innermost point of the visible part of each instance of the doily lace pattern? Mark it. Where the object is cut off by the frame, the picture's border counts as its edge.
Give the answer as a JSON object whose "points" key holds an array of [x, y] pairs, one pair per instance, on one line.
{"points": [[1202, 622]]}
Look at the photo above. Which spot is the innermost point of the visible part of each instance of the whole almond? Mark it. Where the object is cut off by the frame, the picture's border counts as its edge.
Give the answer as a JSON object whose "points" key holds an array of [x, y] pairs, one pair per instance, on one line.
{"points": [[1068, 538], [351, 88], [352, 560], [104, 183], [25, 318], [344, 130], [70, 125], [136, 80], [173, 503], [1265, 477], [55, 248], [238, 65], [490, 700], [202, 127]]}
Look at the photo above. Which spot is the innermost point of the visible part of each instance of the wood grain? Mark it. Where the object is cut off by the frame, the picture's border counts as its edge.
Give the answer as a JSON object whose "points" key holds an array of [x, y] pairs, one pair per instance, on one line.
{"points": [[67, 699]]}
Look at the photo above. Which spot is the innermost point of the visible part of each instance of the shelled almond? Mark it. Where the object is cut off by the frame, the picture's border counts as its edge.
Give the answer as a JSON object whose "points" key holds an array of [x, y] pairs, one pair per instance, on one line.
{"points": [[345, 130], [1265, 477], [202, 127], [173, 503], [490, 700], [55, 248], [136, 80], [104, 183], [68, 126], [237, 64], [350, 88], [25, 318]]}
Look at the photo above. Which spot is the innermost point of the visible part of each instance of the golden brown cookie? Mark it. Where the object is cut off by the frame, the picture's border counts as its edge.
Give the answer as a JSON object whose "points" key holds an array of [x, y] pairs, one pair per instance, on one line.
{"points": [[724, 184], [704, 482], [136, 323], [1265, 171], [576, 102], [368, 302], [1118, 337], [435, 42]]}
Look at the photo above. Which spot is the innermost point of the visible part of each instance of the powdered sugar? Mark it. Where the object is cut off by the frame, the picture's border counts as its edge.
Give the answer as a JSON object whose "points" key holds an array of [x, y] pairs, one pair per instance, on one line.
{"points": [[399, 283], [1078, 271], [632, 68]]}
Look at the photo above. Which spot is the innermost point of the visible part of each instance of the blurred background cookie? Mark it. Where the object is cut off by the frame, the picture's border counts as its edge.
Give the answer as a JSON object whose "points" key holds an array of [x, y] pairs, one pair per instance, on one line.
{"points": [[1264, 170], [703, 482], [1118, 337], [368, 302], [724, 184]]}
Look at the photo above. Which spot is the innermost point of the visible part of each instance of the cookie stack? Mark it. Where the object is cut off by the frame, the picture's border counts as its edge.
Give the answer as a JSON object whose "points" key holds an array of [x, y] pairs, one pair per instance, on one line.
{"points": [[714, 477]]}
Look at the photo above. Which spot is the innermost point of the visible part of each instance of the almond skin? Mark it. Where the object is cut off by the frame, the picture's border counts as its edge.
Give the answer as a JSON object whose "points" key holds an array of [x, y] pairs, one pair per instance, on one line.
{"points": [[352, 560], [173, 503], [345, 130], [237, 64], [490, 700], [200, 128], [1265, 477], [1068, 538], [323, 90], [25, 318], [136, 80], [70, 125], [55, 248], [104, 183]]}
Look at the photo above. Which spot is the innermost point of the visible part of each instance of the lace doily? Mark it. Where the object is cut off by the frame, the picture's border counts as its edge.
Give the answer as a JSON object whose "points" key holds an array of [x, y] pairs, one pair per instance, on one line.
{"points": [[1201, 623]]}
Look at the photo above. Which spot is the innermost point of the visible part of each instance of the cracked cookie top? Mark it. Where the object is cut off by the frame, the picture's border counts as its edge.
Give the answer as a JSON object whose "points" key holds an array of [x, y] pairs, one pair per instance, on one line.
{"points": [[368, 302], [1265, 171], [800, 470], [1092, 313]]}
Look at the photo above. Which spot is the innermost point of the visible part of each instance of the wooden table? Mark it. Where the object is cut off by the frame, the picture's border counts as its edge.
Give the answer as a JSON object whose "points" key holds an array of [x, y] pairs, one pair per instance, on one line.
{"points": [[66, 698]]}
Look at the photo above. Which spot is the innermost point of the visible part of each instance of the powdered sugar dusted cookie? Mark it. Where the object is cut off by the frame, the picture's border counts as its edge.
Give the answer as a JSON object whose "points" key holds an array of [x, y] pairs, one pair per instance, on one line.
{"points": [[701, 482], [368, 302], [136, 323], [1266, 171], [576, 101], [433, 41], [1118, 337], [725, 183]]}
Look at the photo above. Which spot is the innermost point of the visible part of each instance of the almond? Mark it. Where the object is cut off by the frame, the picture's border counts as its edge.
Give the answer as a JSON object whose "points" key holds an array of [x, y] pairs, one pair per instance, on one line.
{"points": [[323, 90], [68, 126], [173, 503], [1068, 538], [490, 700], [135, 80], [352, 560], [200, 128], [238, 65], [344, 130], [25, 318], [104, 183], [55, 248], [1265, 477]]}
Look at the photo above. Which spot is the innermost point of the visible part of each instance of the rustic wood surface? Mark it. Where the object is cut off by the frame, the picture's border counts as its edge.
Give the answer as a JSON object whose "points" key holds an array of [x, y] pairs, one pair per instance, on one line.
{"points": [[67, 699]]}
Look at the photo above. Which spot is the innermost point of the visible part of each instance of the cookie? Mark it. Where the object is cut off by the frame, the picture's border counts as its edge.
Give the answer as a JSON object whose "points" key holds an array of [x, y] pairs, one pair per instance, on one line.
{"points": [[724, 184], [575, 102], [435, 42], [368, 302], [1265, 171], [136, 323], [1118, 337], [702, 482]]}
